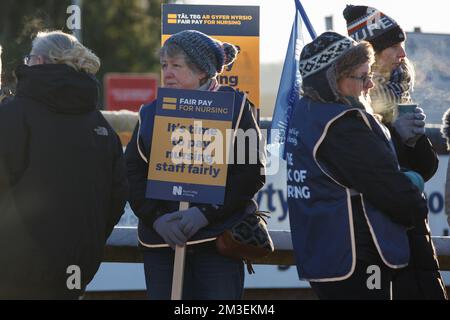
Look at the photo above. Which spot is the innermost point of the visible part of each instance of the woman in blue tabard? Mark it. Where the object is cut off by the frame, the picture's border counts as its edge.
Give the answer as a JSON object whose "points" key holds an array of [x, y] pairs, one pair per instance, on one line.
{"points": [[349, 203], [192, 60]]}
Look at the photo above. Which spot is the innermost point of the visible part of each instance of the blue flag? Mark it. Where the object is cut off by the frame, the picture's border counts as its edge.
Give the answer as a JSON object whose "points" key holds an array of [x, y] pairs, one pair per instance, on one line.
{"points": [[288, 91]]}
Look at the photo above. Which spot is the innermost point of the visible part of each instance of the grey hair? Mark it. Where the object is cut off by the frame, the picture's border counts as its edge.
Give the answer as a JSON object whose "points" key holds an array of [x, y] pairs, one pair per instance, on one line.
{"points": [[58, 47], [172, 50]]}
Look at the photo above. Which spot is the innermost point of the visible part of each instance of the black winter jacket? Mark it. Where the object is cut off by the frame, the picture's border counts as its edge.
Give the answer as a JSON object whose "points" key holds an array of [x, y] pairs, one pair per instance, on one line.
{"points": [[350, 148], [423, 159], [63, 182], [421, 279]]}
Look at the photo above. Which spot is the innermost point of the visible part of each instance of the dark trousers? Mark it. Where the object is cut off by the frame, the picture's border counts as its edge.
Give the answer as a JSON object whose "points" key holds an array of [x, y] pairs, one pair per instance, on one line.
{"points": [[207, 274], [17, 292], [357, 286], [415, 284]]}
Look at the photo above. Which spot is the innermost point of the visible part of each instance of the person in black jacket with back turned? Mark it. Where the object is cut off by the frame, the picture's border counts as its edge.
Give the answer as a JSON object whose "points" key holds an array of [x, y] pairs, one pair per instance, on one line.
{"points": [[63, 182]]}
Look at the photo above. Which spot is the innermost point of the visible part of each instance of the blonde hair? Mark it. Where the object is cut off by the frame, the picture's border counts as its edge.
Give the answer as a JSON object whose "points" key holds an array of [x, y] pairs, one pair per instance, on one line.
{"points": [[58, 47], [350, 61]]}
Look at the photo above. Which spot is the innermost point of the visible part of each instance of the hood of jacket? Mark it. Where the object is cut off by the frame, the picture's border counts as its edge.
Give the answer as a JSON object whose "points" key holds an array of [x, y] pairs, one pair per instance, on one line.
{"points": [[59, 87]]}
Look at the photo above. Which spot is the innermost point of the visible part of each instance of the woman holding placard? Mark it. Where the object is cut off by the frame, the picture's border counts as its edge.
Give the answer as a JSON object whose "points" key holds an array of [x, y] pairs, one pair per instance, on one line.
{"points": [[192, 60]]}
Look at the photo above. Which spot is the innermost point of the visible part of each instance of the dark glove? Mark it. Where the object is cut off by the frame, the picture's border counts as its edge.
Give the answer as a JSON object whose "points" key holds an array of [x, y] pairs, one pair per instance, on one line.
{"points": [[416, 179], [410, 126], [169, 228], [191, 221]]}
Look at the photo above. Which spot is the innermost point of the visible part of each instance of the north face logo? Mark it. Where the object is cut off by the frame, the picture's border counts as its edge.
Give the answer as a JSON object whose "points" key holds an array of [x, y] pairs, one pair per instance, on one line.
{"points": [[101, 131]]}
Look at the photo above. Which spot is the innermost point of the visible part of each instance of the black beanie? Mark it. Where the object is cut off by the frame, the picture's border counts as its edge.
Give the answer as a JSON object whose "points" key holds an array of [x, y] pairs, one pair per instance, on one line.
{"points": [[367, 23]]}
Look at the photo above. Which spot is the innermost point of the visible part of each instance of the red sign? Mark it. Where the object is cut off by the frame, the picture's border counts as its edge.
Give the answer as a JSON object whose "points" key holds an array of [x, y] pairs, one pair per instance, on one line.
{"points": [[129, 90]]}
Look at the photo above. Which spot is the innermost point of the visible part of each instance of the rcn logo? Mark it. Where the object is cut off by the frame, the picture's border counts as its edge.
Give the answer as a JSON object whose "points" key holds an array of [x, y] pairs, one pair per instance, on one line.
{"points": [[177, 190]]}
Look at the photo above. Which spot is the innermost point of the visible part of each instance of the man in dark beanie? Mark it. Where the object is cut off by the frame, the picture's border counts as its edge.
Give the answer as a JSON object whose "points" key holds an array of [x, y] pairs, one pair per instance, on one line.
{"points": [[393, 73], [393, 76], [366, 23]]}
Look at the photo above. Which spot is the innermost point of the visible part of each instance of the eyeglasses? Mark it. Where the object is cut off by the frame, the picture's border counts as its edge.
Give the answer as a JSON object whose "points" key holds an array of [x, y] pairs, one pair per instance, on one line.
{"points": [[27, 58], [365, 79]]}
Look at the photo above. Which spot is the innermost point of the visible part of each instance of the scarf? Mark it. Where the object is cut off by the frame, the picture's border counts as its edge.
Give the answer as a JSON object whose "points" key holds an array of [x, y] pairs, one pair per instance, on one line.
{"points": [[388, 93]]}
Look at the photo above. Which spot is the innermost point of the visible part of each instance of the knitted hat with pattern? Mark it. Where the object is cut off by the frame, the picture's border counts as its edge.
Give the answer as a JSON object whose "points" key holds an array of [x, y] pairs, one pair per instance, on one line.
{"points": [[316, 64], [322, 52]]}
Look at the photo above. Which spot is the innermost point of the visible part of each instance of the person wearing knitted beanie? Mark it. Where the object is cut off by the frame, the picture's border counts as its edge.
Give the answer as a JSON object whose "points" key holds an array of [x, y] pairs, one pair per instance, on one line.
{"points": [[192, 60], [393, 75], [357, 201], [207, 54], [372, 25]]}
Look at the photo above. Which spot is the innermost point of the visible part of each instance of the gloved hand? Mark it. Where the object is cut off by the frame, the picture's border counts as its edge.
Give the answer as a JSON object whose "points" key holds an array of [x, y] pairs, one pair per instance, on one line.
{"points": [[416, 179], [191, 220], [169, 228], [410, 126]]}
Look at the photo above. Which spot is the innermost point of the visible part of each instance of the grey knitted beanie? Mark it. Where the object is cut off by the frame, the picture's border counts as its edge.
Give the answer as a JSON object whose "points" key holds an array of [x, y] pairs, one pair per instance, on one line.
{"points": [[208, 54]]}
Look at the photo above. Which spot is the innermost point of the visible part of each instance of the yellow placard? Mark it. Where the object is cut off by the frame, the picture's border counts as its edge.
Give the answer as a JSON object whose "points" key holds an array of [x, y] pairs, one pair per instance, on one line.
{"points": [[238, 25], [162, 166]]}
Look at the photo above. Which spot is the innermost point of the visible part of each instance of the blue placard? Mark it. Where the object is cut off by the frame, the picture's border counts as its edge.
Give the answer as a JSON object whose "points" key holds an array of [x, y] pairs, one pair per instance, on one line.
{"points": [[203, 105], [190, 181]]}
